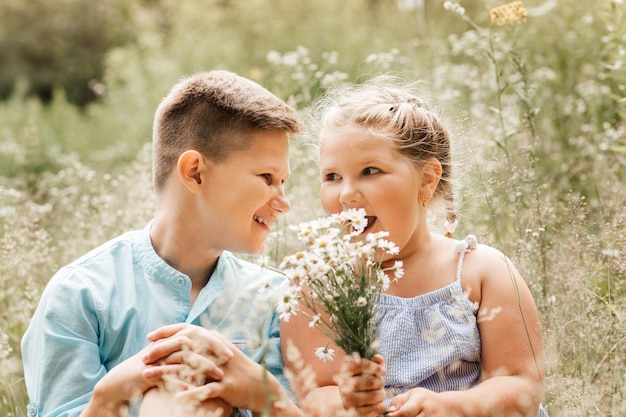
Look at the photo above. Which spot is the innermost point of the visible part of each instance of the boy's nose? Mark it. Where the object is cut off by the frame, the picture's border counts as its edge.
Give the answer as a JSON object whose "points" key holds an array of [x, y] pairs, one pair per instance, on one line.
{"points": [[280, 202]]}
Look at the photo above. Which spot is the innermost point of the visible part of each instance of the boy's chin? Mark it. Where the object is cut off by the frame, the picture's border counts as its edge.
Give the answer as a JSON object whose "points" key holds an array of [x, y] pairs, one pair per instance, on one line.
{"points": [[254, 250]]}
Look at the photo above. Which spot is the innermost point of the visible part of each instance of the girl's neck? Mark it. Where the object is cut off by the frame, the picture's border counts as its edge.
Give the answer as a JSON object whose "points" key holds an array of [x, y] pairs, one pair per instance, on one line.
{"points": [[430, 266]]}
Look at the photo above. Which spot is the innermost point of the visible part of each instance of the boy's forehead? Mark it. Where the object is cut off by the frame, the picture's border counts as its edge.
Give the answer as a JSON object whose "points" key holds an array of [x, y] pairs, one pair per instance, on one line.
{"points": [[269, 149]]}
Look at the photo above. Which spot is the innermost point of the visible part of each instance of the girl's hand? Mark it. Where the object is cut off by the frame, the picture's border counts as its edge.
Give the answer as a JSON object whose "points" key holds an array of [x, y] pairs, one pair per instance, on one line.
{"points": [[361, 385], [418, 402]]}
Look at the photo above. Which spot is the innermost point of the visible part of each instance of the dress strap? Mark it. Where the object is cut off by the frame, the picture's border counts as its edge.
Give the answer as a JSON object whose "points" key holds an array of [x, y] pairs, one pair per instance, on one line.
{"points": [[462, 247]]}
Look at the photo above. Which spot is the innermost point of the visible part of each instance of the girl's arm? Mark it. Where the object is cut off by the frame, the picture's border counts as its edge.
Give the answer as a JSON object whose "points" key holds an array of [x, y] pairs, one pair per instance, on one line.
{"points": [[512, 353], [314, 381], [311, 379]]}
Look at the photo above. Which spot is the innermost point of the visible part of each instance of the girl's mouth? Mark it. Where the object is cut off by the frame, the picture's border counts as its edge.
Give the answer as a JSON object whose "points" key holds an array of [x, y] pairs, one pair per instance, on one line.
{"points": [[370, 222]]}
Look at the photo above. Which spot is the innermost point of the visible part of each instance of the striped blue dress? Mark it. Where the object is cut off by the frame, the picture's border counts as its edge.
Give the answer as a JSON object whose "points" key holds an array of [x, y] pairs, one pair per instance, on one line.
{"points": [[432, 340]]}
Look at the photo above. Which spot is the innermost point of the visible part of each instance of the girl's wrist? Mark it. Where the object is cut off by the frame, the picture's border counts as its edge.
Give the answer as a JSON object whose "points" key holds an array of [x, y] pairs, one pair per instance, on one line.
{"points": [[280, 404]]}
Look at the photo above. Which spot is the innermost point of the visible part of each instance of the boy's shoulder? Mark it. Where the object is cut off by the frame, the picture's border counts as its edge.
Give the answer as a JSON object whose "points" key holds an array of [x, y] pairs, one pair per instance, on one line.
{"points": [[249, 272], [109, 250], [105, 266]]}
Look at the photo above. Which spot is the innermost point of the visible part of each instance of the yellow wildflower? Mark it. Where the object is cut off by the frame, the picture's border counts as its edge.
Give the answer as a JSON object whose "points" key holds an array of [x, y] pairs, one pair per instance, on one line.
{"points": [[508, 13]]}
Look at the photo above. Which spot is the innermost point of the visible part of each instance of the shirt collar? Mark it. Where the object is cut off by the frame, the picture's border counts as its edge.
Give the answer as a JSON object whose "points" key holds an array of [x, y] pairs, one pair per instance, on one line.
{"points": [[151, 262]]}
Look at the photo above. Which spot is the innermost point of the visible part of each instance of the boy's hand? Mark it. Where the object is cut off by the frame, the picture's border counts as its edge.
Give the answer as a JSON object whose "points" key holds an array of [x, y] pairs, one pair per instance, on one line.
{"points": [[207, 366], [191, 353], [361, 385], [121, 385], [245, 384]]}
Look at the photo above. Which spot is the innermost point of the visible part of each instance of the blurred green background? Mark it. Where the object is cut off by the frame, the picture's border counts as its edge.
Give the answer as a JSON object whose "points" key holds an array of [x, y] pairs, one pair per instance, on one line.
{"points": [[536, 109]]}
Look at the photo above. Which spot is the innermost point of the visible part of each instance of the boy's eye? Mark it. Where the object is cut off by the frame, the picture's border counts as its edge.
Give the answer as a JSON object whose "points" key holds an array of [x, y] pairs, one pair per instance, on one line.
{"points": [[267, 178], [332, 177], [370, 171]]}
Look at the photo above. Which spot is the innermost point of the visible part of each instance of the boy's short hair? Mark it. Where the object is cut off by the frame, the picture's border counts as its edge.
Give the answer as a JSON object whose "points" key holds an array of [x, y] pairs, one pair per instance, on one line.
{"points": [[214, 113]]}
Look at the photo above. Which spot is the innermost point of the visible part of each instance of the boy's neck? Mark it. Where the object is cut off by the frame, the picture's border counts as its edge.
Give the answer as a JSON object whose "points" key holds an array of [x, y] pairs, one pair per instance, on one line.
{"points": [[176, 247]]}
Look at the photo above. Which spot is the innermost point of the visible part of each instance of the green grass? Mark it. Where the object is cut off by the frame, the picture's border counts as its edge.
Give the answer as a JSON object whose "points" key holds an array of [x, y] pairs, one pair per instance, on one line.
{"points": [[537, 114]]}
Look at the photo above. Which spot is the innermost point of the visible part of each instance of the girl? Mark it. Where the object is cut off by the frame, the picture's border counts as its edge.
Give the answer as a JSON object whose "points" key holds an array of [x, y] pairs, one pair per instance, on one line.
{"points": [[459, 332]]}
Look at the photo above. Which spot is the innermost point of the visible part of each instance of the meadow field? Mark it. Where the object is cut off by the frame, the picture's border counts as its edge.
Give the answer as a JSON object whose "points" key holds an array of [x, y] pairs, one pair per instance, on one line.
{"points": [[536, 102]]}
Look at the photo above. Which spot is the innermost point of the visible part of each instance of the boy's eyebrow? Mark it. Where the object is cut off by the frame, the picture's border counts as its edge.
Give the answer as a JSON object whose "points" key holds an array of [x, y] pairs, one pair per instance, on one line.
{"points": [[273, 169]]}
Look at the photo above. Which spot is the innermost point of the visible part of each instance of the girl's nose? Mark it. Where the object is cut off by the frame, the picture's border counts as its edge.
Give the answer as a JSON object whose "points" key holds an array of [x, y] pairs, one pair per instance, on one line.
{"points": [[350, 195]]}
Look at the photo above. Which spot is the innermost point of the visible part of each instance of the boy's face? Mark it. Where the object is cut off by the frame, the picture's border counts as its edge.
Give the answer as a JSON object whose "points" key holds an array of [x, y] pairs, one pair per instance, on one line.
{"points": [[243, 196]]}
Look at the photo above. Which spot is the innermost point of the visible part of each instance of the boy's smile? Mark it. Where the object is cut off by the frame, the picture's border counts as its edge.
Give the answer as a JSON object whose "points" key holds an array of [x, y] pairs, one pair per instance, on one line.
{"points": [[262, 221]]}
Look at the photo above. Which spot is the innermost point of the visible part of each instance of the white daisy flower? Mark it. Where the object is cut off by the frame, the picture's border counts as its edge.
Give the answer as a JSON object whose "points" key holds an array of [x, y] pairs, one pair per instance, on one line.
{"points": [[325, 353], [356, 218], [341, 270], [361, 302], [288, 304], [384, 281], [315, 320]]}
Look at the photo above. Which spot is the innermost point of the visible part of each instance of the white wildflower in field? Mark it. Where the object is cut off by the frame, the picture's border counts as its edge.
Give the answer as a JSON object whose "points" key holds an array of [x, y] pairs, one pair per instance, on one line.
{"points": [[338, 278], [263, 261], [454, 7], [5, 348]]}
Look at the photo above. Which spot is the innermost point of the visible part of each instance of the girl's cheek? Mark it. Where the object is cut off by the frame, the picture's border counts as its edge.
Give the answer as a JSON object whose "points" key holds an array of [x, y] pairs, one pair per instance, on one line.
{"points": [[330, 203]]}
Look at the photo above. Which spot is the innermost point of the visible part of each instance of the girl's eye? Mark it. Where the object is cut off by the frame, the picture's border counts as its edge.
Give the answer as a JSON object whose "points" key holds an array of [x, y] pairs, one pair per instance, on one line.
{"points": [[370, 171], [332, 177]]}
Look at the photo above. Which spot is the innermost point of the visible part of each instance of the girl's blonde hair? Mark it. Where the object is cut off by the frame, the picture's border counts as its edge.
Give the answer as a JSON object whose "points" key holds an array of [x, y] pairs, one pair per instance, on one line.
{"points": [[391, 110]]}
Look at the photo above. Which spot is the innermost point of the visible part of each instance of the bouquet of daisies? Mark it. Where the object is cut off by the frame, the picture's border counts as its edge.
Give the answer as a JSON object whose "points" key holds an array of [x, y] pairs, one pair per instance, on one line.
{"points": [[337, 279]]}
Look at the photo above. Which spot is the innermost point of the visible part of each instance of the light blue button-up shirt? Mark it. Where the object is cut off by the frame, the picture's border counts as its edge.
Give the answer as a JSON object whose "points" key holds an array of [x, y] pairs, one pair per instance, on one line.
{"points": [[97, 311]]}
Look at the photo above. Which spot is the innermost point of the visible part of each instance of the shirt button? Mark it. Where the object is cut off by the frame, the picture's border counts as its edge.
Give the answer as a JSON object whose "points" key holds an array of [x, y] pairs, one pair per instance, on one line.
{"points": [[31, 410], [180, 281]]}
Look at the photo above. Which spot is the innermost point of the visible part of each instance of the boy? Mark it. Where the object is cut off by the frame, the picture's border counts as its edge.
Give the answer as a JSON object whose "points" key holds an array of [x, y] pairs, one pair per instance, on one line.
{"points": [[220, 159]]}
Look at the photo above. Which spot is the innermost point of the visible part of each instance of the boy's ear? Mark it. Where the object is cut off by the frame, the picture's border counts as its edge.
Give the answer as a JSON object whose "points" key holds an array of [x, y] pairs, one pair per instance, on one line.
{"points": [[191, 168], [431, 174]]}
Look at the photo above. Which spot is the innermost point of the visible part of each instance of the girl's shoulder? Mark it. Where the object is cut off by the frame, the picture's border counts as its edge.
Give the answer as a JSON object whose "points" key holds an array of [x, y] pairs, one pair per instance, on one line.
{"points": [[489, 261], [484, 269]]}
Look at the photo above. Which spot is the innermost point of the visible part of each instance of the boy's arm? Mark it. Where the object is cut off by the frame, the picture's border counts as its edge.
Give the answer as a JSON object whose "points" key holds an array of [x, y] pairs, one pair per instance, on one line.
{"points": [[60, 349], [62, 356], [124, 383]]}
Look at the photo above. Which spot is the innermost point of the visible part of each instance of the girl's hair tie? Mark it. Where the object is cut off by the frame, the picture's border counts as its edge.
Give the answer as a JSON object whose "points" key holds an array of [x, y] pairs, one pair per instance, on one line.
{"points": [[451, 227]]}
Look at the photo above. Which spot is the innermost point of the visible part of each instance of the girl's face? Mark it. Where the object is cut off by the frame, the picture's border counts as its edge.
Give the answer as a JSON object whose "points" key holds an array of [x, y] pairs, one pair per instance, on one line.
{"points": [[360, 170]]}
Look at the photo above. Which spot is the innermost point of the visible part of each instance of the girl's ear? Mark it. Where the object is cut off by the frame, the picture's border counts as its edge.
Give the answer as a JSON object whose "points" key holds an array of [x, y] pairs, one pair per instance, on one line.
{"points": [[190, 168], [431, 174]]}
